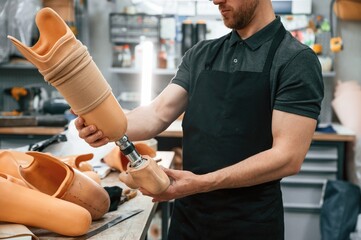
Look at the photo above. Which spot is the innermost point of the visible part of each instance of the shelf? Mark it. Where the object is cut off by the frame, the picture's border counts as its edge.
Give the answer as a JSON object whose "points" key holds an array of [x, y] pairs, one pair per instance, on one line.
{"points": [[302, 207], [157, 71], [17, 65], [303, 181], [329, 74]]}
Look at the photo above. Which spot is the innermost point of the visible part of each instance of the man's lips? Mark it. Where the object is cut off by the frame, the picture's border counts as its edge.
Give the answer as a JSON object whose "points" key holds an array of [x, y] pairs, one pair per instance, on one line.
{"points": [[224, 11]]}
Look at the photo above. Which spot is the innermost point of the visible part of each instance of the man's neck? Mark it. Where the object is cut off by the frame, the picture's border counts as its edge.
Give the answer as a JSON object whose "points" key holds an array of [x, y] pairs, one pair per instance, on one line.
{"points": [[263, 16]]}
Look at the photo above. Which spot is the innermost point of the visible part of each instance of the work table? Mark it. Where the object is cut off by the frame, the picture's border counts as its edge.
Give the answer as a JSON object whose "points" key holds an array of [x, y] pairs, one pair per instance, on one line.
{"points": [[31, 130], [175, 131], [327, 159], [133, 228]]}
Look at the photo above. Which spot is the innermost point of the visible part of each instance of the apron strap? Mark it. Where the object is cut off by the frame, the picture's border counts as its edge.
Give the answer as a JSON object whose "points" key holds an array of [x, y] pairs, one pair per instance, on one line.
{"points": [[208, 65], [275, 43]]}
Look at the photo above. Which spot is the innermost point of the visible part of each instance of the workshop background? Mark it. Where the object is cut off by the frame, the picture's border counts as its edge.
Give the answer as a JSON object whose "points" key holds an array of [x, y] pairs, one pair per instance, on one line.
{"points": [[115, 32], [94, 31]]}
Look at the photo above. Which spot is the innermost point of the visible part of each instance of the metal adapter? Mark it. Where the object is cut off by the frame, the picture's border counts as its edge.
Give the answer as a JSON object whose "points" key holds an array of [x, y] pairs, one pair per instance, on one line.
{"points": [[128, 149]]}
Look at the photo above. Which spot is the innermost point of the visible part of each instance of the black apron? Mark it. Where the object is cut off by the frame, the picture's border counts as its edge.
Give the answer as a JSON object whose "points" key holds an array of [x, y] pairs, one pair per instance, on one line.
{"points": [[228, 119]]}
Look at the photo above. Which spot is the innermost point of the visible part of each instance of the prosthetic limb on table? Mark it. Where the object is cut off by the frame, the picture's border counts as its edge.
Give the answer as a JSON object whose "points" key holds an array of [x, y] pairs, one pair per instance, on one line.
{"points": [[23, 205], [66, 64]]}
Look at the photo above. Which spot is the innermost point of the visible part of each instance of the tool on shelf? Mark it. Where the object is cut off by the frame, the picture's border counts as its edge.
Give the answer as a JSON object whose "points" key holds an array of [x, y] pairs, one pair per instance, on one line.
{"points": [[336, 44], [28, 99]]}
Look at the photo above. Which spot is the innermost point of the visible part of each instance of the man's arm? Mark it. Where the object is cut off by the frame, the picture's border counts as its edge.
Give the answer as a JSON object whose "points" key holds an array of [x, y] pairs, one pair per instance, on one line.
{"points": [[148, 121], [292, 135], [143, 122]]}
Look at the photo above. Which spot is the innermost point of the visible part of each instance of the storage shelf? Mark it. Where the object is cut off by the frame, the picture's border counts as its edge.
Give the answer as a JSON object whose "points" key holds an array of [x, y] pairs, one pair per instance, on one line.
{"points": [[318, 169], [329, 74], [302, 207], [20, 65], [303, 181]]}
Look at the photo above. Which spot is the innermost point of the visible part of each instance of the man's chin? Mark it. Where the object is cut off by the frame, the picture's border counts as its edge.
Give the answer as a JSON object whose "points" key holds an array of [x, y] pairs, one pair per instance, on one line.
{"points": [[228, 24]]}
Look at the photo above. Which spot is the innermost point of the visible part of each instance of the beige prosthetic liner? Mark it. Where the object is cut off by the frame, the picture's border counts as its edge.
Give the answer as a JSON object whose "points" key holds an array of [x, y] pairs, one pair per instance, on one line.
{"points": [[66, 64]]}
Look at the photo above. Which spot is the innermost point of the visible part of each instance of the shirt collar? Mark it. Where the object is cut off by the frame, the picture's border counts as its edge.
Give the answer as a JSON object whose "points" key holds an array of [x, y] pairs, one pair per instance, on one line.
{"points": [[260, 37]]}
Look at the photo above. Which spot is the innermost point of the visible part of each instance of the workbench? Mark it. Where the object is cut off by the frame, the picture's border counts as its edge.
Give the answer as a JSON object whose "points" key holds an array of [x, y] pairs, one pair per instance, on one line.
{"points": [[133, 228], [327, 159], [173, 131]]}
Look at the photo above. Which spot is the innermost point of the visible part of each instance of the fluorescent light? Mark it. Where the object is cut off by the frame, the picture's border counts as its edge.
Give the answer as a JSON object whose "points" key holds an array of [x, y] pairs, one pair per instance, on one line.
{"points": [[147, 67]]}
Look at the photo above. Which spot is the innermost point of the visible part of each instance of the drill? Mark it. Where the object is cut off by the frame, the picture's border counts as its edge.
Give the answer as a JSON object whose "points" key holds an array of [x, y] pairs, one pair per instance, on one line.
{"points": [[22, 96]]}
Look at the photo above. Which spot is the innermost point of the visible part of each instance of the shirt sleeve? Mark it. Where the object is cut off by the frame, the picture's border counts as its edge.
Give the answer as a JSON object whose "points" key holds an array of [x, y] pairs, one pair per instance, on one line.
{"points": [[182, 76], [300, 87]]}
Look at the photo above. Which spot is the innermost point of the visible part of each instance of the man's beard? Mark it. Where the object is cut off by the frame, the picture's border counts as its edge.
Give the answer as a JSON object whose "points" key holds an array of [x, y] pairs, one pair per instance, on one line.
{"points": [[242, 16]]}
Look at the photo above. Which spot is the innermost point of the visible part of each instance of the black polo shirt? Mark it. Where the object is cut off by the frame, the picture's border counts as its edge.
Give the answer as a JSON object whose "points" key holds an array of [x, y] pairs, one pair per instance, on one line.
{"points": [[295, 77]]}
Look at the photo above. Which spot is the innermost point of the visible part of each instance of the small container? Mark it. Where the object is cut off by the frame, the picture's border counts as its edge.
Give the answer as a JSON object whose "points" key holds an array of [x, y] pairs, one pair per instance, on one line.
{"points": [[117, 56], [201, 31], [187, 35], [127, 56]]}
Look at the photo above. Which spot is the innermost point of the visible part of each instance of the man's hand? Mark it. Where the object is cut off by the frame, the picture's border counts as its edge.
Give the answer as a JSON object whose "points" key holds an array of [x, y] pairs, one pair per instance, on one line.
{"points": [[90, 134], [183, 183]]}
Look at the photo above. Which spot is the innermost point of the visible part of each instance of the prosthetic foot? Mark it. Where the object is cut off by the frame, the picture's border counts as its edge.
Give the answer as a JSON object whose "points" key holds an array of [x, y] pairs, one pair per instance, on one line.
{"points": [[142, 171], [22, 205], [118, 160], [51, 176]]}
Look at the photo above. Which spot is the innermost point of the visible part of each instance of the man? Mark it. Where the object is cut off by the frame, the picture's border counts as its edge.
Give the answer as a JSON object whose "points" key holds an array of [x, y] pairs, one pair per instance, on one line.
{"points": [[251, 101]]}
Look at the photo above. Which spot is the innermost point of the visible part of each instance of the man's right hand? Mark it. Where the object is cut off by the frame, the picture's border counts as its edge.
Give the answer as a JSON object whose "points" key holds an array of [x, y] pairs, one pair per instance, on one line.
{"points": [[90, 134]]}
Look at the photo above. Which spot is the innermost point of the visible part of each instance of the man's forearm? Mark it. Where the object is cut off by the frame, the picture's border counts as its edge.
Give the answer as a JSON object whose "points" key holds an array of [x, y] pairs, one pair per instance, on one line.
{"points": [[264, 167], [143, 124]]}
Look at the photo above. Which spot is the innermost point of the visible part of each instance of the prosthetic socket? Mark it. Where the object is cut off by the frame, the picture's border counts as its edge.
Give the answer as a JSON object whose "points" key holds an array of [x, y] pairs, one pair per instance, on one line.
{"points": [[40, 190], [66, 64]]}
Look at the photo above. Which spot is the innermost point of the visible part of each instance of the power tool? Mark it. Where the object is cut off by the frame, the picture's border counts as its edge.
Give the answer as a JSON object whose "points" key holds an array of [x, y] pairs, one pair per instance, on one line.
{"points": [[22, 96], [27, 98]]}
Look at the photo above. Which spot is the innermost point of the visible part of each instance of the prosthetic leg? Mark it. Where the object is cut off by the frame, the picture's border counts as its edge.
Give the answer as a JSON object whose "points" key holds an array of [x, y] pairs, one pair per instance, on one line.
{"points": [[50, 175], [23, 205], [66, 64], [144, 171]]}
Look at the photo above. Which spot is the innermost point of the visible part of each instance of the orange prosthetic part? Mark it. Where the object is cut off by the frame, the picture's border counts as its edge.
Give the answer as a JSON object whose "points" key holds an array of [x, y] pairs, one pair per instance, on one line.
{"points": [[66, 64], [79, 162], [11, 160], [13, 179], [51, 176], [128, 180], [22, 205], [148, 176]]}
